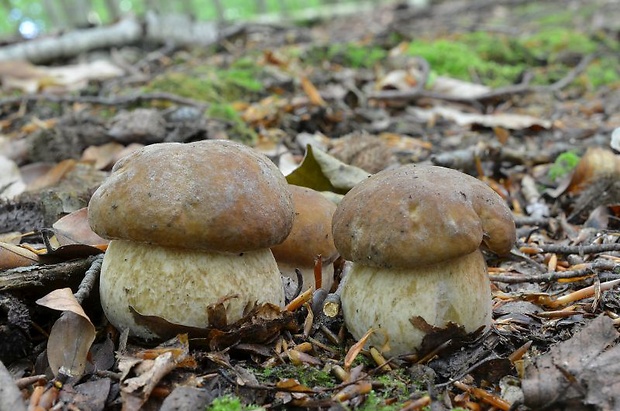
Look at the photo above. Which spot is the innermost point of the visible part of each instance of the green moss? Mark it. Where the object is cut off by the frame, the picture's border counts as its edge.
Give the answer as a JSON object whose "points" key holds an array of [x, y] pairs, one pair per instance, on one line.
{"points": [[376, 402], [499, 60], [563, 164], [306, 375], [603, 72], [221, 85], [346, 54], [462, 60], [229, 403], [548, 43], [239, 130]]}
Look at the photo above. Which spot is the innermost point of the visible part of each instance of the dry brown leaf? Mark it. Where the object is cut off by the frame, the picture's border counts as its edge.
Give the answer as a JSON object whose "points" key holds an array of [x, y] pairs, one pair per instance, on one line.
{"points": [[71, 336], [136, 391], [579, 372], [69, 343], [74, 229], [12, 256], [292, 385], [312, 92], [27, 77], [53, 176], [103, 156], [355, 349], [62, 300], [506, 120]]}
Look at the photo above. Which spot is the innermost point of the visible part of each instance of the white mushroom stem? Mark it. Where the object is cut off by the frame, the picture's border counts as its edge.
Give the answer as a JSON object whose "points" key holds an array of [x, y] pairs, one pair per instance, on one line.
{"points": [[177, 284], [383, 299]]}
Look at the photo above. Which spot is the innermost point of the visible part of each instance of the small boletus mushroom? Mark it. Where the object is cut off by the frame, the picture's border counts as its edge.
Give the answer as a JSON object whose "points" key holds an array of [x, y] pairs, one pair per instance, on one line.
{"points": [[310, 237], [191, 226], [413, 235]]}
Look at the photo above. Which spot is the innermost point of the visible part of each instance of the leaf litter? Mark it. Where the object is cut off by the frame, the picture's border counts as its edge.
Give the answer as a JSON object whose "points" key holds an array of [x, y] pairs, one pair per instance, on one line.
{"points": [[334, 118]]}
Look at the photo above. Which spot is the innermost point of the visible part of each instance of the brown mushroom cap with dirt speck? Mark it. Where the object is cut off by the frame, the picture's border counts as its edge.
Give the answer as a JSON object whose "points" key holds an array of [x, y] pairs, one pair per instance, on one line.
{"points": [[191, 224], [413, 235]]}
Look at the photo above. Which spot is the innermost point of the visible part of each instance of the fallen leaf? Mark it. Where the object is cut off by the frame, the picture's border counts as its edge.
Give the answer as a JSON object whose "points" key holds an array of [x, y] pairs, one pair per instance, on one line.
{"points": [[12, 256], [62, 300], [581, 371], [322, 172], [71, 336], [505, 120], [312, 92], [74, 229], [135, 391]]}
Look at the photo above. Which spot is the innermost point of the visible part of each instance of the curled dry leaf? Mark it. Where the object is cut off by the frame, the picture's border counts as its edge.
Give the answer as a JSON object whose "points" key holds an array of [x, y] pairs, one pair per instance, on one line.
{"points": [[71, 336], [355, 349], [312, 92], [135, 391], [74, 229], [262, 323], [322, 172], [12, 256], [53, 176]]}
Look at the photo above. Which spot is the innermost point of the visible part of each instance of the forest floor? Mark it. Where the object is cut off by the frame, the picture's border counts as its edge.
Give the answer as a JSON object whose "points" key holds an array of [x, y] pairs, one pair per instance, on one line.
{"points": [[523, 95]]}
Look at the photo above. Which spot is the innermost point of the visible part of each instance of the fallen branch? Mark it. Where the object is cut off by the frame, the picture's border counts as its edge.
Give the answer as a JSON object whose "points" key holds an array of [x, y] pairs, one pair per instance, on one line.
{"points": [[73, 43], [105, 101], [589, 270], [576, 249], [44, 275]]}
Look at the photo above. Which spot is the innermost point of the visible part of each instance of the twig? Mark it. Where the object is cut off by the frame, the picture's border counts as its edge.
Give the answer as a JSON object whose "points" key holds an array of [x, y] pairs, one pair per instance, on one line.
{"points": [[556, 275], [104, 101], [527, 220], [577, 249], [89, 280]]}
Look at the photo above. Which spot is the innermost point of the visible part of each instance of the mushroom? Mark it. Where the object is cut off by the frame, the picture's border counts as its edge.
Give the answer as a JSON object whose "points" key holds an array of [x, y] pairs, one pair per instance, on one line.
{"points": [[413, 237], [310, 237], [191, 226]]}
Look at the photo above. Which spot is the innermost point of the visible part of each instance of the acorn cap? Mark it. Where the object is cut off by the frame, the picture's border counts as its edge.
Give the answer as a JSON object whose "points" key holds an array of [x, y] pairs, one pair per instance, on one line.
{"points": [[417, 215], [312, 230], [214, 195]]}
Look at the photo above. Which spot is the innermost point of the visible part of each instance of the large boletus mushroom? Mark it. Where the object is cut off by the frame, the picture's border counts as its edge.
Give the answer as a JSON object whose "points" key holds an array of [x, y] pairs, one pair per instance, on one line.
{"points": [[413, 235], [191, 226]]}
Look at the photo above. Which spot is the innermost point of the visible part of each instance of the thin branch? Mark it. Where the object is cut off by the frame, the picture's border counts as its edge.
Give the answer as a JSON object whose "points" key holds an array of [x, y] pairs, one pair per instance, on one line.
{"points": [[90, 278], [105, 101], [555, 275], [576, 249]]}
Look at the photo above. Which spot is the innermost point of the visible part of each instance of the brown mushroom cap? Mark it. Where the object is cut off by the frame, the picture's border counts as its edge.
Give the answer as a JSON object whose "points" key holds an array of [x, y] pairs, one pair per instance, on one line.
{"points": [[312, 230], [417, 215], [214, 195]]}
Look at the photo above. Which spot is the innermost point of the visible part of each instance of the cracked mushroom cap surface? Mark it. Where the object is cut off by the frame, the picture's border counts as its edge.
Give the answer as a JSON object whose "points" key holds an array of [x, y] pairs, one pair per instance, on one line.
{"points": [[418, 214], [214, 195]]}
